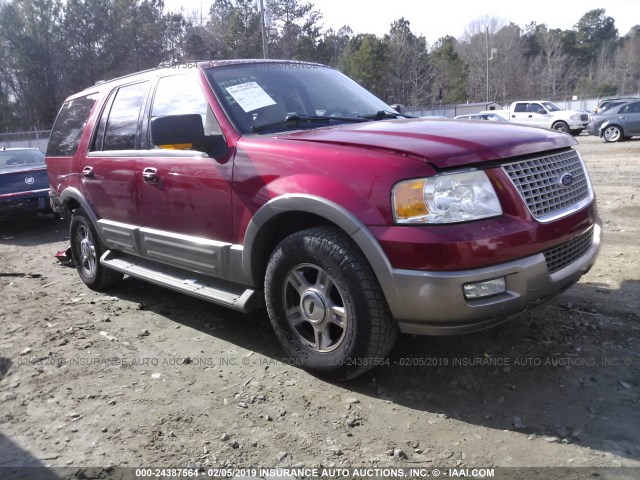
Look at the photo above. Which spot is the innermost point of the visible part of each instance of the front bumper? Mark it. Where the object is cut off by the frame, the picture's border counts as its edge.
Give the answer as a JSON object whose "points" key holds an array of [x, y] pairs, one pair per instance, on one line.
{"points": [[577, 124], [432, 303], [592, 130]]}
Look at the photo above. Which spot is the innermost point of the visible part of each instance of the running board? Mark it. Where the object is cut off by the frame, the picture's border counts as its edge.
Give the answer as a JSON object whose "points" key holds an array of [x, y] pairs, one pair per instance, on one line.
{"points": [[234, 297]]}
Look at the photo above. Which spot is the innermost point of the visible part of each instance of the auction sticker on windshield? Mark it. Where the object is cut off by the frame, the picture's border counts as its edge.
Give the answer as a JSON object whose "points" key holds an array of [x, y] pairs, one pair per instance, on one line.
{"points": [[250, 96]]}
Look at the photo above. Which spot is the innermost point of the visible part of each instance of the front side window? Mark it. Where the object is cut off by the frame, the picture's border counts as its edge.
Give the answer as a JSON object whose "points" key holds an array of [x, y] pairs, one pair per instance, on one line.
{"points": [[631, 108], [534, 108], [122, 122], [67, 129], [182, 95]]}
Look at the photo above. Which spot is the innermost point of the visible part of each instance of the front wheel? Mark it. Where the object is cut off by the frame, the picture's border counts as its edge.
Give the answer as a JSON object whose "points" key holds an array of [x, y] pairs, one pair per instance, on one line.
{"points": [[326, 306], [86, 250], [612, 133], [561, 127]]}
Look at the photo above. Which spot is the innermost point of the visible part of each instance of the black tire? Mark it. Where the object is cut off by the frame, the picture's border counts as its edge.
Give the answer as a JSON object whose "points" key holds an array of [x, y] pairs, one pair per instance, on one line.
{"points": [[86, 249], [335, 320], [561, 127], [612, 133]]}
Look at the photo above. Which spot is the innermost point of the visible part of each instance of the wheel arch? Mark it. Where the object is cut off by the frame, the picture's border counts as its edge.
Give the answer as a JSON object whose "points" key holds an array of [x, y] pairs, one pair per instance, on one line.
{"points": [[71, 199], [290, 213]]}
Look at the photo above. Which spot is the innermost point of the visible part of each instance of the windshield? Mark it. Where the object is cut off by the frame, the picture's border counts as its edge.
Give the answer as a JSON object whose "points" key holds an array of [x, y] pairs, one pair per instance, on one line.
{"points": [[552, 107], [609, 106], [17, 158], [259, 95]]}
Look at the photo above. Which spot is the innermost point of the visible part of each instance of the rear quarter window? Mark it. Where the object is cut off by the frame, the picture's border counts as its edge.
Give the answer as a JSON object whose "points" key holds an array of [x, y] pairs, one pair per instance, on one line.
{"points": [[68, 126]]}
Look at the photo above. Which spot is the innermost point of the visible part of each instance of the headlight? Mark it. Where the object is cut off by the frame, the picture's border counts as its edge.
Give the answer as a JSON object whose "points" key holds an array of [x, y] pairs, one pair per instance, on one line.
{"points": [[575, 117], [449, 198]]}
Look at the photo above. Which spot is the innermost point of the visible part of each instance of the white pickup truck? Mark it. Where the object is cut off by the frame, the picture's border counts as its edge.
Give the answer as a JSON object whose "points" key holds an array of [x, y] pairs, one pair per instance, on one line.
{"points": [[546, 114]]}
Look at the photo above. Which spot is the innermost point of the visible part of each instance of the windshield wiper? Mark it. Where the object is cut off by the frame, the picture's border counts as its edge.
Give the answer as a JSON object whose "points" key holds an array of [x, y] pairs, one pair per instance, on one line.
{"points": [[383, 114], [294, 118]]}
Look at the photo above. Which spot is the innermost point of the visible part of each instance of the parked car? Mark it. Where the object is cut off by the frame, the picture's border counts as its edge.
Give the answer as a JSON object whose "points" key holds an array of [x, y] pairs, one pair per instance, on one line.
{"points": [[542, 113], [24, 187], [285, 184], [608, 103], [492, 117], [618, 123]]}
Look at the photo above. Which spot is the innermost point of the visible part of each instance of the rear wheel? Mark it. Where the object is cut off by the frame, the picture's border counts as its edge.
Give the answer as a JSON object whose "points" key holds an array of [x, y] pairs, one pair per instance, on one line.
{"points": [[326, 306], [612, 133], [86, 249]]}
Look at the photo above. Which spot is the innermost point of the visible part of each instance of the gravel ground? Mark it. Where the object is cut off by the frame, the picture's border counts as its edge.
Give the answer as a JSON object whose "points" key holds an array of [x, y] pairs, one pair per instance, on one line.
{"points": [[143, 376]]}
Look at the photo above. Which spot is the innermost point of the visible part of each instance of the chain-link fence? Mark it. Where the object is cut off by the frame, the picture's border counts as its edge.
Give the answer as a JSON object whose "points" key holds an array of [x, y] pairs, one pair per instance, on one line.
{"points": [[32, 139]]}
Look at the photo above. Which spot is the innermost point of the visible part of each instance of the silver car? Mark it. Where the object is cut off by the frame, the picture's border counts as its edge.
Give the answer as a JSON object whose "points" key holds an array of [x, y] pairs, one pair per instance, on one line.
{"points": [[617, 123]]}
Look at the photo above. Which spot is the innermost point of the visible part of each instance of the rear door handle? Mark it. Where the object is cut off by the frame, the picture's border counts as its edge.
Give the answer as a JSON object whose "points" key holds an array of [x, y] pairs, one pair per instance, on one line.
{"points": [[88, 172], [150, 175]]}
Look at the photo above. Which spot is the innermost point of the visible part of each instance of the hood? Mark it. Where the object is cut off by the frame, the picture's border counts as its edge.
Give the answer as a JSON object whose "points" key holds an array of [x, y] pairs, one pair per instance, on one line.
{"points": [[566, 113], [442, 143]]}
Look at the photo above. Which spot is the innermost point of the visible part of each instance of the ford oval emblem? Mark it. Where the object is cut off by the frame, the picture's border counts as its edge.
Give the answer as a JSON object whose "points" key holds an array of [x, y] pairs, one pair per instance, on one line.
{"points": [[29, 180], [566, 180]]}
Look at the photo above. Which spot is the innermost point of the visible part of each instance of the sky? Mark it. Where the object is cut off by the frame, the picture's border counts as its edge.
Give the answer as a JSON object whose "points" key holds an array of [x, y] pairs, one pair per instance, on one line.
{"points": [[435, 19]]}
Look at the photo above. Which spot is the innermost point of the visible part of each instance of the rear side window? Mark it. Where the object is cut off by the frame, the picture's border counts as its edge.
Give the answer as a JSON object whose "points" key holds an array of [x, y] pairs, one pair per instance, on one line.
{"points": [[520, 107], [68, 127], [17, 158], [122, 122]]}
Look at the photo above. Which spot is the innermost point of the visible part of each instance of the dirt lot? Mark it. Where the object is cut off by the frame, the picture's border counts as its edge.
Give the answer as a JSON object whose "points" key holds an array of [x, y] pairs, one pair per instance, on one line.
{"points": [[147, 377]]}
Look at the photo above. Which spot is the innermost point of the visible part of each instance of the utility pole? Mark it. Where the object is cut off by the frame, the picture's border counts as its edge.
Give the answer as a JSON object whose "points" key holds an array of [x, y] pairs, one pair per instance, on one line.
{"points": [[265, 50], [486, 51]]}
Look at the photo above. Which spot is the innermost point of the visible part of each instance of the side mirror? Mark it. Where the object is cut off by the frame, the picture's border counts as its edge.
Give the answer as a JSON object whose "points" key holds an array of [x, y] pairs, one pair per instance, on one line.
{"points": [[185, 132], [542, 111], [398, 108]]}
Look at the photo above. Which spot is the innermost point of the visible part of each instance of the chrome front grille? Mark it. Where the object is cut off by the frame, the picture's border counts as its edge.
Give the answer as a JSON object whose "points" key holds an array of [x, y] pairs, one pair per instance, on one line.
{"points": [[559, 257], [540, 184]]}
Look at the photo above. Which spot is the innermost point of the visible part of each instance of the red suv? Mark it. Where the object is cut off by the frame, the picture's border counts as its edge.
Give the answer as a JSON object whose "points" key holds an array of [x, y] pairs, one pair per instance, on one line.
{"points": [[248, 183]]}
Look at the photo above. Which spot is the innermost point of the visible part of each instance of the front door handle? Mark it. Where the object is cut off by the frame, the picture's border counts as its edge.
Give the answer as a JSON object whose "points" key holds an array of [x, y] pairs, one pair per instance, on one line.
{"points": [[150, 175], [88, 172]]}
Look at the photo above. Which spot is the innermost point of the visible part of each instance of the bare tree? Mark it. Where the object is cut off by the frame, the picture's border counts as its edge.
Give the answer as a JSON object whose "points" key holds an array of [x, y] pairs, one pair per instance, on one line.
{"points": [[409, 76]]}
